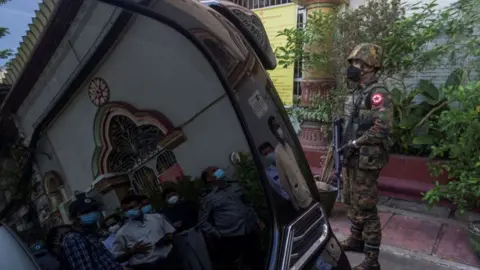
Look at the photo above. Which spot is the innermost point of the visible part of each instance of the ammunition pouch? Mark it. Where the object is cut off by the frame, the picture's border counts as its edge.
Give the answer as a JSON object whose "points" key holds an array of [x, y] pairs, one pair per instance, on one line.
{"points": [[372, 157]]}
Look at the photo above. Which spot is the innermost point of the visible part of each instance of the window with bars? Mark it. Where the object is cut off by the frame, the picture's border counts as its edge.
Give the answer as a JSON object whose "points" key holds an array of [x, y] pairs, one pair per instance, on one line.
{"points": [[297, 91], [253, 4]]}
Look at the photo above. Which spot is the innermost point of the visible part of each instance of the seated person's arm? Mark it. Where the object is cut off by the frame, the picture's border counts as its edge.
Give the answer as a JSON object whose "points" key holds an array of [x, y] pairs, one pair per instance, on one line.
{"points": [[122, 253]]}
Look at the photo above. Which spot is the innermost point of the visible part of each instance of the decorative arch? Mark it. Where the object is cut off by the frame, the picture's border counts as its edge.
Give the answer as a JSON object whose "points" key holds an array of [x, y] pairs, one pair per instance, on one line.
{"points": [[125, 136], [52, 182]]}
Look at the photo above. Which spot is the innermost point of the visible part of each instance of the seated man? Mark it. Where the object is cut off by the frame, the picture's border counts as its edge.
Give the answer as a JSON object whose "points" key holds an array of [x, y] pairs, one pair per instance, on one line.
{"points": [[145, 240]]}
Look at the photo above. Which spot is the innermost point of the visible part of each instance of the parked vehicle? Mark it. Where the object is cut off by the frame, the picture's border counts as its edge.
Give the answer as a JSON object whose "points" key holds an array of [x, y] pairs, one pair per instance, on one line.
{"points": [[13, 254], [195, 78]]}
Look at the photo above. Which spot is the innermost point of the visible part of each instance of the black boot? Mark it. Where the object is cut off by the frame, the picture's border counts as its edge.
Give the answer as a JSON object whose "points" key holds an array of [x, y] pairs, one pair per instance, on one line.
{"points": [[354, 242], [371, 258]]}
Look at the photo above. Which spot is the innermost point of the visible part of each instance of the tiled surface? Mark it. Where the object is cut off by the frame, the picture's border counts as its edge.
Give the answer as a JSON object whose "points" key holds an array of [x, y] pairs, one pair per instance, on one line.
{"points": [[385, 218], [411, 233], [454, 246], [446, 241], [341, 224]]}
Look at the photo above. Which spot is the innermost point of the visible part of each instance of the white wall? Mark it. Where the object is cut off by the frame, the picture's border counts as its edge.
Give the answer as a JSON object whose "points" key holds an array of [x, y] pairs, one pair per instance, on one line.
{"points": [[92, 22], [150, 71]]}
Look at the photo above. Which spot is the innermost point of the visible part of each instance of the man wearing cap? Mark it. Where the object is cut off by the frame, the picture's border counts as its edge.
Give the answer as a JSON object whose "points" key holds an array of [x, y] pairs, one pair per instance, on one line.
{"points": [[81, 248]]}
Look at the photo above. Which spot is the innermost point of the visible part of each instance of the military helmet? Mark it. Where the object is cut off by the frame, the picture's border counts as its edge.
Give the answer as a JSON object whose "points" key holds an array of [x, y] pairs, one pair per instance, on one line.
{"points": [[369, 53]]}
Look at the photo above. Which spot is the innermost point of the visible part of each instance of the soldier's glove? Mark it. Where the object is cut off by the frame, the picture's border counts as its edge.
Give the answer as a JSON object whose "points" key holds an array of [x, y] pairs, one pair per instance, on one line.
{"points": [[352, 144]]}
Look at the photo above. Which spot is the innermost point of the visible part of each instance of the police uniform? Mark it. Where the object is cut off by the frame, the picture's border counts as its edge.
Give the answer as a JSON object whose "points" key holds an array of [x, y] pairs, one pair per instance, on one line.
{"points": [[369, 114]]}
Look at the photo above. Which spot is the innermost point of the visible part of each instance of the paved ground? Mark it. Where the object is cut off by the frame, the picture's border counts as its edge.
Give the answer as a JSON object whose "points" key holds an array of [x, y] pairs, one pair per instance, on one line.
{"points": [[391, 261], [424, 239]]}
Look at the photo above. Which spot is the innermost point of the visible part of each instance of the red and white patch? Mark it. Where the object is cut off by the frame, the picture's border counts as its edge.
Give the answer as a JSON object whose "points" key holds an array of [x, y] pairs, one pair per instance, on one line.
{"points": [[377, 99]]}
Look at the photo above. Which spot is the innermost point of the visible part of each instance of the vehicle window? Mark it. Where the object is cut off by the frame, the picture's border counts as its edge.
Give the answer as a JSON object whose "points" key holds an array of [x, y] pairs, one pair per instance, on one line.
{"points": [[195, 120], [12, 253]]}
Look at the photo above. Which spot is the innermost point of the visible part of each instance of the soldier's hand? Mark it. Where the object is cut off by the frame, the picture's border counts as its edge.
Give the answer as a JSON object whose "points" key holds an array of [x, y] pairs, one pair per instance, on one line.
{"points": [[352, 144]]}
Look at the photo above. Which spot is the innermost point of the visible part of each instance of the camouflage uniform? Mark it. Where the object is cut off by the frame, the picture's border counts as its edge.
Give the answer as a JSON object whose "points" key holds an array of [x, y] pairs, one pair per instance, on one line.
{"points": [[369, 115]]}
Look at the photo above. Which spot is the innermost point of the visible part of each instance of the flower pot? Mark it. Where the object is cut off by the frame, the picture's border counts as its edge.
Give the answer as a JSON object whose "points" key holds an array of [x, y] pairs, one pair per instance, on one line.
{"points": [[474, 236], [328, 196], [314, 138]]}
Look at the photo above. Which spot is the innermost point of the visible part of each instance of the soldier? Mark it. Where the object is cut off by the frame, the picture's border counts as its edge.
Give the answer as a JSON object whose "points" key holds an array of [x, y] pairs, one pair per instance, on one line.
{"points": [[369, 116]]}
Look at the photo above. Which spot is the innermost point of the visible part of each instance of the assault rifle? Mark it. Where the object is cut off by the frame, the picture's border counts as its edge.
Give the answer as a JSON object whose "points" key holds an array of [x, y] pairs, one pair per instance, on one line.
{"points": [[338, 151], [334, 156]]}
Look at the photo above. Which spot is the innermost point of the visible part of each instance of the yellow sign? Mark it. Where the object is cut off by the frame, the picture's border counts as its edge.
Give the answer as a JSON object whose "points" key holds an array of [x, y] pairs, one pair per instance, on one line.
{"points": [[276, 19]]}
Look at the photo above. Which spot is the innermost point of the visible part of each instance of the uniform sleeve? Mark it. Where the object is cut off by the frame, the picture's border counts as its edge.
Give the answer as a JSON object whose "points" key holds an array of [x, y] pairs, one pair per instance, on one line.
{"points": [[382, 110], [76, 253], [203, 219]]}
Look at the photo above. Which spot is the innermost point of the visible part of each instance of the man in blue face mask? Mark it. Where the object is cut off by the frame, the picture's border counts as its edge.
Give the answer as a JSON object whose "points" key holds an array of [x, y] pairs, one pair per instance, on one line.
{"points": [[80, 247], [145, 240]]}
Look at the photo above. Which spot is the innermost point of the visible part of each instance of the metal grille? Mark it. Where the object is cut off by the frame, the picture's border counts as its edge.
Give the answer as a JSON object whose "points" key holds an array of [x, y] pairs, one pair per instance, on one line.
{"points": [[132, 144], [297, 90], [144, 180], [165, 161], [253, 4]]}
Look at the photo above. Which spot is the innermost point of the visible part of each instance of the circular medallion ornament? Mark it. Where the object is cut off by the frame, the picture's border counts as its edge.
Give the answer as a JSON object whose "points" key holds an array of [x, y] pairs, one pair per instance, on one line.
{"points": [[98, 91]]}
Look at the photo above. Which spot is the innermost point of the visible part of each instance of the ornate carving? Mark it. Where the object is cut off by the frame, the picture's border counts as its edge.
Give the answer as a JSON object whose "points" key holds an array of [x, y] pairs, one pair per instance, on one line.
{"points": [[311, 88], [126, 138], [314, 136], [315, 142], [98, 91]]}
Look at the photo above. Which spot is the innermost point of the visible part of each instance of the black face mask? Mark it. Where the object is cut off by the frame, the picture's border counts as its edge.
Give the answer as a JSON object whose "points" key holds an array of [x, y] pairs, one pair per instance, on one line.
{"points": [[354, 74]]}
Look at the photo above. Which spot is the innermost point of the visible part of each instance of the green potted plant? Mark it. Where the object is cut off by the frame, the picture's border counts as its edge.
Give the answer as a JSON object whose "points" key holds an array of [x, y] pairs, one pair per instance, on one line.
{"points": [[458, 152]]}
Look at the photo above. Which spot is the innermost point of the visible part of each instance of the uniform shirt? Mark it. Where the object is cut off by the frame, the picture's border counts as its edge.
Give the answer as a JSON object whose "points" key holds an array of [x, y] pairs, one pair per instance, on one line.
{"points": [[84, 251], [291, 177], [153, 228], [224, 213], [372, 112]]}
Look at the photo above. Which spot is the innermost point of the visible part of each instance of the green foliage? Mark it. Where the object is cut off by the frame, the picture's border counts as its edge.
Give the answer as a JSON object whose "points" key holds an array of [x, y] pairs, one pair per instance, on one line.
{"points": [[458, 148], [413, 131], [384, 22], [320, 110], [5, 53], [247, 174], [413, 37]]}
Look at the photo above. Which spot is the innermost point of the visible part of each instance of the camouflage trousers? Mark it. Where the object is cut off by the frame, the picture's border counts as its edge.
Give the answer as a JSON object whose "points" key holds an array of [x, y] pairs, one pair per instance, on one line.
{"points": [[360, 194]]}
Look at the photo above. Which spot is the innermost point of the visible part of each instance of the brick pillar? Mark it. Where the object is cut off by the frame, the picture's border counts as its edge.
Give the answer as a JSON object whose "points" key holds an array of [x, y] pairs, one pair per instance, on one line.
{"points": [[315, 137]]}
